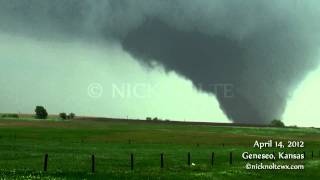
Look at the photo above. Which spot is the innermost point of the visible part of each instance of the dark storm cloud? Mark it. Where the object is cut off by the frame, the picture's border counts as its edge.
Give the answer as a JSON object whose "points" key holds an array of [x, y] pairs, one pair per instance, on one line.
{"points": [[263, 68], [263, 48]]}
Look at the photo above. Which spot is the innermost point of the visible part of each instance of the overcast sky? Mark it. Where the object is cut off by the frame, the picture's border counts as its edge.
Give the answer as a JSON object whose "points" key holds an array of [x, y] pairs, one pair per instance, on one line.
{"points": [[162, 59], [58, 75]]}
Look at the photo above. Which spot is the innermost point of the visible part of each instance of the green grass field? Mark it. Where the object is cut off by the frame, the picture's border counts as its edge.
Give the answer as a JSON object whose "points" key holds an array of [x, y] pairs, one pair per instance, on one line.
{"points": [[70, 144]]}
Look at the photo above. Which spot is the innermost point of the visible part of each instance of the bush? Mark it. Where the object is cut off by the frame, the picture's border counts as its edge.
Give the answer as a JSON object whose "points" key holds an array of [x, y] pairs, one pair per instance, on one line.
{"points": [[277, 123], [63, 116], [41, 112], [10, 116], [149, 119], [71, 116]]}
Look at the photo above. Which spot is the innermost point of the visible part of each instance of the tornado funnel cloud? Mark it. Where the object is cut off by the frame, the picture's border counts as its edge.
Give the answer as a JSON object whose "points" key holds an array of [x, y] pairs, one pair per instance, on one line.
{"points": [[264, 49], [262, 69]]}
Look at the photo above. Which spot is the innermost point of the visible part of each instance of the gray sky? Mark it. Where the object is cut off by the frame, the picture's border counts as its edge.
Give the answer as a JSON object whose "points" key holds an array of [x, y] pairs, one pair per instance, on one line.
{"points": [[80, 56], [58, 75]]}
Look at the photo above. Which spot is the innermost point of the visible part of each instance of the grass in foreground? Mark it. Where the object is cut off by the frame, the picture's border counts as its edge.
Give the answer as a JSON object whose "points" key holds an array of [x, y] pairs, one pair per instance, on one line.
{"points": [[70, 145]]}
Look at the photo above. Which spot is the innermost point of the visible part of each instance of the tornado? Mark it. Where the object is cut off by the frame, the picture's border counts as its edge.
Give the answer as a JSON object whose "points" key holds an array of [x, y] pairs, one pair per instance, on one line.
{"points": [[262, 49]]}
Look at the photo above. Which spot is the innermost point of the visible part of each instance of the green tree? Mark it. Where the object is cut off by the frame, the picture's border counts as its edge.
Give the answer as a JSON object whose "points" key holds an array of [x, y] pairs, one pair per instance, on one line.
{"points": [[277, 123], [63, 115], [41, 112]]}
